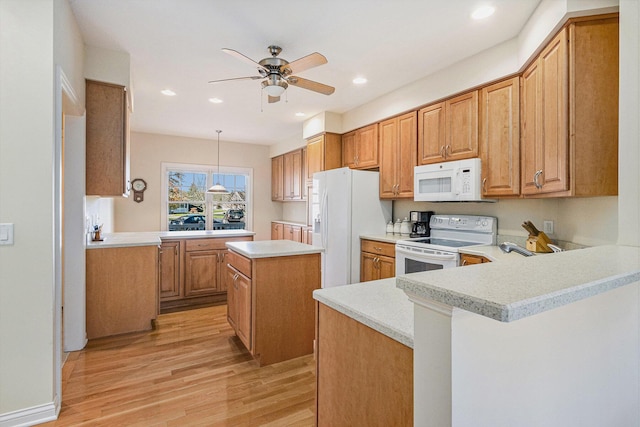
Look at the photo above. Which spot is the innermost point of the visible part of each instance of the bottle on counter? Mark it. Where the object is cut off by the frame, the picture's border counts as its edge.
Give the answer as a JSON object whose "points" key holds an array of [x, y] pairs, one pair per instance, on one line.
{"points": [[397, 226], [390, 227]]}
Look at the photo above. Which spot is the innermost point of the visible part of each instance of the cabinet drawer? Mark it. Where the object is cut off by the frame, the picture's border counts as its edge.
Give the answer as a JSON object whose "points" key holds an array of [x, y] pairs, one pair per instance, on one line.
{"points": [[240, 263], [379, 248], [211, 244]]}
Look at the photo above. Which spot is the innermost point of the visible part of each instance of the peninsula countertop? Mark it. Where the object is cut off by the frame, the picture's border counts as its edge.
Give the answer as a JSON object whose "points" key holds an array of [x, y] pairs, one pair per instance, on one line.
{"points": [[272, 248], [154, 238], [524, 286]]}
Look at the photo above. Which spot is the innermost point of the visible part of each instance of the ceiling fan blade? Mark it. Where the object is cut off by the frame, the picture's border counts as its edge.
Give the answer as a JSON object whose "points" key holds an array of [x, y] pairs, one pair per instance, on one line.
{"points": [[237, 78], [311, 85], [244, 58], [304, 63], [273, 99]]}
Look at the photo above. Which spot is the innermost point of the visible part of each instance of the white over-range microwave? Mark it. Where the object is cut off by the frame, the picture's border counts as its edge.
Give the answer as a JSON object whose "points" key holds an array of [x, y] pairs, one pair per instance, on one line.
{"points": [[455, 181]]}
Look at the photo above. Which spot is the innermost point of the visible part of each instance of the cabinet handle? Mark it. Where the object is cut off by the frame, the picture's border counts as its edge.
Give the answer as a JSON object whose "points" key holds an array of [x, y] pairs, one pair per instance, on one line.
{"points": [[535, 179], [484, 185], [447, 151], [464, 262], [375, 262], [175, 250], [443, 153], [377, 248]]}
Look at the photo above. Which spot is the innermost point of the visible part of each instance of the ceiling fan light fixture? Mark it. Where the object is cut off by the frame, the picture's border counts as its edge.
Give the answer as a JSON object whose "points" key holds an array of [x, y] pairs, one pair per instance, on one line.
{"points": [[274, 87]]}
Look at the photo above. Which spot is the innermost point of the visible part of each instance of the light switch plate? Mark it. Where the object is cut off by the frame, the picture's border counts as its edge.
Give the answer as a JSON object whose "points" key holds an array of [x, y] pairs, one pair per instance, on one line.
{"points": [[6, 234]]}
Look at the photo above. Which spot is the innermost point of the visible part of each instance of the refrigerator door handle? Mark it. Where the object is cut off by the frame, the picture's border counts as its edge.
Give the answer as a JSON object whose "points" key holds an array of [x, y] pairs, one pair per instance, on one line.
{"points": [[324, 218]]}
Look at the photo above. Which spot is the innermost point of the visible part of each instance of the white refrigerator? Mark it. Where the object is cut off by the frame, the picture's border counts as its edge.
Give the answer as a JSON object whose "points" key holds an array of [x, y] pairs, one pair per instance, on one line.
{"points": [[345, 203]]}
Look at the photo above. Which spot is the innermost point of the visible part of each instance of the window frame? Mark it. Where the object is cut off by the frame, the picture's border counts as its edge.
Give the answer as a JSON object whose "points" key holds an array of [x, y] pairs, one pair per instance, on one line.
{"points": [[209, 170]]}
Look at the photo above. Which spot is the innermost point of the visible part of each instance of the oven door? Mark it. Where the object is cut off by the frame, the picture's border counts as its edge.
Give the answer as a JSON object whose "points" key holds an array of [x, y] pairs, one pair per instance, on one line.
{"points": [[411, 259]]}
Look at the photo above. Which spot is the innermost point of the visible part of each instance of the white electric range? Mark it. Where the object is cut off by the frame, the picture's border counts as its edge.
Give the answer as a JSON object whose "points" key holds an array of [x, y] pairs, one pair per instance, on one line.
{"points": [[448, 233]]}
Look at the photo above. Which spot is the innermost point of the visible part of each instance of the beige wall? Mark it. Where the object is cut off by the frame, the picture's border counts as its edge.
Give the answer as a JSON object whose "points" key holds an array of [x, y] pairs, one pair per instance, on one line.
{"points": [[148, 151]]}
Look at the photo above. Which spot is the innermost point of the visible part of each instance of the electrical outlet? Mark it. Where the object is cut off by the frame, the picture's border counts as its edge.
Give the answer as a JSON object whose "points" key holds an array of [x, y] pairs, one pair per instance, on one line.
{"points": [[548, 227]]}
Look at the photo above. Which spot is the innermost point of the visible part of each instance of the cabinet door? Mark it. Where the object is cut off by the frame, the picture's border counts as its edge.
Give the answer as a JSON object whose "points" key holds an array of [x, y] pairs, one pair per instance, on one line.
{"points": [[242, 286], [349, 149], [232, 298], [277, 178], [431, 134], [544, 118], [554, 151], [367, 147], [407, 147], [462, 126], [170, 270], [315, 156], [107, 140], [368, 270], [386, 267], [292, 232], [500, 138], [388, 159], [292, 165], [277, 231], [201, 273]]}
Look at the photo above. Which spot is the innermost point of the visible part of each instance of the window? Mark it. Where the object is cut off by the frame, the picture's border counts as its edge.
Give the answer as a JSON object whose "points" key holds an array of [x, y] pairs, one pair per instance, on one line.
{"points": [[187, 206]]}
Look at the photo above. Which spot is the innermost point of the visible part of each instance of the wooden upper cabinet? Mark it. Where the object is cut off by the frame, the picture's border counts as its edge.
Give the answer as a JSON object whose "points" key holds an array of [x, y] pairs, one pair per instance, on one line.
{"points": [[431, 134], [324, 152], [462, 126], [569, 113], [360, 148], [500, 138], [448, 130], [107, 140], [293, 181], [398, 151], [277, 178]]}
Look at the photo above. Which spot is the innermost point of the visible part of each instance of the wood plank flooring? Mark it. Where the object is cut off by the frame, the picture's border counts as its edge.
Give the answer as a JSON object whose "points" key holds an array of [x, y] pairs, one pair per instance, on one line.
{"points": [[190, 371]]}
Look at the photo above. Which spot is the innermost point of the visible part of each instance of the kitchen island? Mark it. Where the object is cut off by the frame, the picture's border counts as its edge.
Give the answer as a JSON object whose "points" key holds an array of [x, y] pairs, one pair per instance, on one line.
{"points": [[270, 304]]}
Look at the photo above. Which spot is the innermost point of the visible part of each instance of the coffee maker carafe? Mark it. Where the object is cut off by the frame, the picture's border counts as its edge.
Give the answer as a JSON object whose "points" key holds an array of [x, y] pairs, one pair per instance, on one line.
{"points": [[420, 223]]}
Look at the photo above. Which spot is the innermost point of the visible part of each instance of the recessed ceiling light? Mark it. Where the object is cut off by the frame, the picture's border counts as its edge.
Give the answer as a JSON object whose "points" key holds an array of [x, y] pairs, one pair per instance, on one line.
{"points": [[300, 114], [168, 92], [359, 80], [483, 12], [215, 100]]}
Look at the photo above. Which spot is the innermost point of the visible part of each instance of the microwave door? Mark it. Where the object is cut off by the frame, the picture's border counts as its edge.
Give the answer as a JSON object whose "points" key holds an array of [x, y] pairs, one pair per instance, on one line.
{"points": [[434, 186]]}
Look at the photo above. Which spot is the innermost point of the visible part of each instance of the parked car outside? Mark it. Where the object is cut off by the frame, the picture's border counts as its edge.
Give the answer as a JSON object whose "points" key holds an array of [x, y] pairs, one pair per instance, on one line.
{"points": [[188, 222]]}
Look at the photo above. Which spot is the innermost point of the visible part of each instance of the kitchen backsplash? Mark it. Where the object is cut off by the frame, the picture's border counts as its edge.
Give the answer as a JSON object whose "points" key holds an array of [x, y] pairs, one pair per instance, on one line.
{"points": [[99, 211]]}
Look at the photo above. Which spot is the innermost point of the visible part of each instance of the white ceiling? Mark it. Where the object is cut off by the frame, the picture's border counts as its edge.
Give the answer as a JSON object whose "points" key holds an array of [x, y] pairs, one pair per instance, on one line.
{"points": [[177, 44]]}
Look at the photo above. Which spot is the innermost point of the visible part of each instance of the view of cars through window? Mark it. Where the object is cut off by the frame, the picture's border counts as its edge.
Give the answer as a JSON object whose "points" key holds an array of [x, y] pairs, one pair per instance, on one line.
{"points": [[190, 208]]}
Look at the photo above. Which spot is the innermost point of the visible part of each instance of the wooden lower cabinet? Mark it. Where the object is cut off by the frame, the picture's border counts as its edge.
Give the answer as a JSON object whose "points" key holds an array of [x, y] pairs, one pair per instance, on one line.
{"points": [[285, 231], [271, 306], [468, 259], [364, 378], [121, 290], [192, 272], [377, 260]]}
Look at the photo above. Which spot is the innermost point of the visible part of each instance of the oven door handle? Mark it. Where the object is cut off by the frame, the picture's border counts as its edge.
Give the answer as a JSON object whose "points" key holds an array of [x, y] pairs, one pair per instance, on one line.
{"points": [[423, 255]]}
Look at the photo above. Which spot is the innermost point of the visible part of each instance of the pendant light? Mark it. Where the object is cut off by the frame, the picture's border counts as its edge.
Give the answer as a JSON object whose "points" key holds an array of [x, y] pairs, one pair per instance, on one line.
{"points": [[218, 188]]}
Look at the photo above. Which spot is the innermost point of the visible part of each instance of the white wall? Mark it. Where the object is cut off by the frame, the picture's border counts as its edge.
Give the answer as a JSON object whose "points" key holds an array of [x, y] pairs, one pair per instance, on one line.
{"points": [[148, 151], [26, 199]]}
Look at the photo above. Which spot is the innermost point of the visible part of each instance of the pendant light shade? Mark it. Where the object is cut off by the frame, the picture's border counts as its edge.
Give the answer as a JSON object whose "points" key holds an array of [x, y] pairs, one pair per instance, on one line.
{"points": [[218, 188]]}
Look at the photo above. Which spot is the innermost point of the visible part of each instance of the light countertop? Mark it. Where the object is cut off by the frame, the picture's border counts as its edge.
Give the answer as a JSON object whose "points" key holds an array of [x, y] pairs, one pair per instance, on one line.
{"points": [[154, 238], [272, 248], [524, 286], [378, 304], [387, 238]]}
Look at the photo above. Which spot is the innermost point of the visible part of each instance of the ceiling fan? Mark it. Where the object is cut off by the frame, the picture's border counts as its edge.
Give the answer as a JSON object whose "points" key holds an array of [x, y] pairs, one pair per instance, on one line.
{"points": [[278, 73]]}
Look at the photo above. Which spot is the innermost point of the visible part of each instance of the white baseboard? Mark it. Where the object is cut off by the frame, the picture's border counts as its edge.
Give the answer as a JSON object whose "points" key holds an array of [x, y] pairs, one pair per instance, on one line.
{"points": [[31, 416]]}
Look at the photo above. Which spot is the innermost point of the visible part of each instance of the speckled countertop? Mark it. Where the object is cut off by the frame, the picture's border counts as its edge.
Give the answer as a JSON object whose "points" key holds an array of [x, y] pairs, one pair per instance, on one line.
{"points": [[272, 248], [154, 238], [378, 304], [524, 286]]}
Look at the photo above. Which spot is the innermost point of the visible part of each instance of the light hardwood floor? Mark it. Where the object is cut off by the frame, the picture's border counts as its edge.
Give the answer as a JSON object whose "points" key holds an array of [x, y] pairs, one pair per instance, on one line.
{"points": [[190, 371]]}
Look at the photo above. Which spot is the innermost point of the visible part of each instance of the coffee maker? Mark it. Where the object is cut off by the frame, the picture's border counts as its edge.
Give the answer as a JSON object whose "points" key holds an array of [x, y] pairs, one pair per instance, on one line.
{"points": [[420, 223]]}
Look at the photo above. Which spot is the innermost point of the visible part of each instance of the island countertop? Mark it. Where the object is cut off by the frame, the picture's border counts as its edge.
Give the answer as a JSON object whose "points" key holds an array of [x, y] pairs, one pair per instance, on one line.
{"points": [[378, 304], [272, 248], [154, 238], [522, 287]]}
